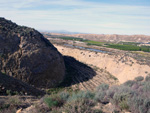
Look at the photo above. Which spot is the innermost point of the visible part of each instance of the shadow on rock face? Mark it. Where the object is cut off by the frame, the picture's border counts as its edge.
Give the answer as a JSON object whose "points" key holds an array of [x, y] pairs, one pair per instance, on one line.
{"points": [[14, 86], [76, 72]]}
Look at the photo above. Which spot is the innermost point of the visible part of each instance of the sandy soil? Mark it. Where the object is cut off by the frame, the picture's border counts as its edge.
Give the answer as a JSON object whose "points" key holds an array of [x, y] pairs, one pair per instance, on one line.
{"points": [[121, 66]]}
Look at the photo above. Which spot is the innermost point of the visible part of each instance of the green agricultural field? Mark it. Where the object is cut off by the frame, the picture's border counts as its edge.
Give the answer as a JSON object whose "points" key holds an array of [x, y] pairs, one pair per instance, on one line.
{"points": [[71, 38], [90, 42], [129, 47], [129, 43]]}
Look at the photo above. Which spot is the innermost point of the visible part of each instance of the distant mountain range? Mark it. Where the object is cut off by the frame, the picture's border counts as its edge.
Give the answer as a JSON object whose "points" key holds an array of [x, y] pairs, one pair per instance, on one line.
{"points": [[103, 37], [60, 31]]}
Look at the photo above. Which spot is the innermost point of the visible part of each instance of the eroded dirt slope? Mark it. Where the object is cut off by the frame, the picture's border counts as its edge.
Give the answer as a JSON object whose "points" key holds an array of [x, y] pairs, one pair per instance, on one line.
{"points": [[86, 77], [121, 66]]}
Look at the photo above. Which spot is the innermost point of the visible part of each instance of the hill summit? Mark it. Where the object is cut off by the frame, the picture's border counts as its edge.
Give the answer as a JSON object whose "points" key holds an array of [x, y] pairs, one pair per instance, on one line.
{"points": [[26, 55]]}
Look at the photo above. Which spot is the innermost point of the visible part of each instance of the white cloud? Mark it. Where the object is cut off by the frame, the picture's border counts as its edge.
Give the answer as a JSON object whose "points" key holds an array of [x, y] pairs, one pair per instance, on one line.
{"points": [[82, 17]]}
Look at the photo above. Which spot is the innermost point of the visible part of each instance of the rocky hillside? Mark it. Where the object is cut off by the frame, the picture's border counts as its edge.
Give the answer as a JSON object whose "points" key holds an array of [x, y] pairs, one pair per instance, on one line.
{"points": [[12, 86], [26, 55]]}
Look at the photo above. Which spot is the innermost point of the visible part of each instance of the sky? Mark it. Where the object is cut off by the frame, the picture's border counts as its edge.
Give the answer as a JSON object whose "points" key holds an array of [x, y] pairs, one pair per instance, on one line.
{"points": [[85, 16]]}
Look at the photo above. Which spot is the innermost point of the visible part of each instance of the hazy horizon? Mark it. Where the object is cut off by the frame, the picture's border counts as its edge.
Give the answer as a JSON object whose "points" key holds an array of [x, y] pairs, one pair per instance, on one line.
{"points": [[69, 32], [126, 17]]}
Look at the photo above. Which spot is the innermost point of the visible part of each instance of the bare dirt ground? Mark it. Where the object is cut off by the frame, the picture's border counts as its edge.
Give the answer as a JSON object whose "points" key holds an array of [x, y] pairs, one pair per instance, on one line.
{"points": [[120, 64], [86, 77]]}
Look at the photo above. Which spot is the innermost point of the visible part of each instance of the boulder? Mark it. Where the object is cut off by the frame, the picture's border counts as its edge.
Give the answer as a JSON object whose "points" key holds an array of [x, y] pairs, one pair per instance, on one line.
{"points": [[26, 55]]}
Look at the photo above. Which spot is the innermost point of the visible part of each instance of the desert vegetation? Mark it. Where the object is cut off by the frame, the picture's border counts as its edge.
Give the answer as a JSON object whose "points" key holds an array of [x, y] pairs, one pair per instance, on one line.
{"points": [[132, 96]]}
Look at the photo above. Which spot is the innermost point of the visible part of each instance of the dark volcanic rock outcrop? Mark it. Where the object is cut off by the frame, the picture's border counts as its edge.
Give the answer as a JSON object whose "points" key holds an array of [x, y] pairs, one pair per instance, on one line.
{"points": [[26, 55], [10, 85]]}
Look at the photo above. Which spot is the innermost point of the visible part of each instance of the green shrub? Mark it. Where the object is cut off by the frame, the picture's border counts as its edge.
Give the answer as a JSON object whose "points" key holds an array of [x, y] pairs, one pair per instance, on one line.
{"points": [[3, 105], [81, 95], [8, 92], [129, 83], [146, 86], [10, 104], [124, 105], [79, 106], [8, 110], [50, 102], [147, 103], [139, 104], [87, 95], [120, 100], [64, 96], [100, 94], [121, 96], [101, 97], [139, 78], [147, 78], [14, 100], [98, 111], [110, 93], [102, 87]]}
